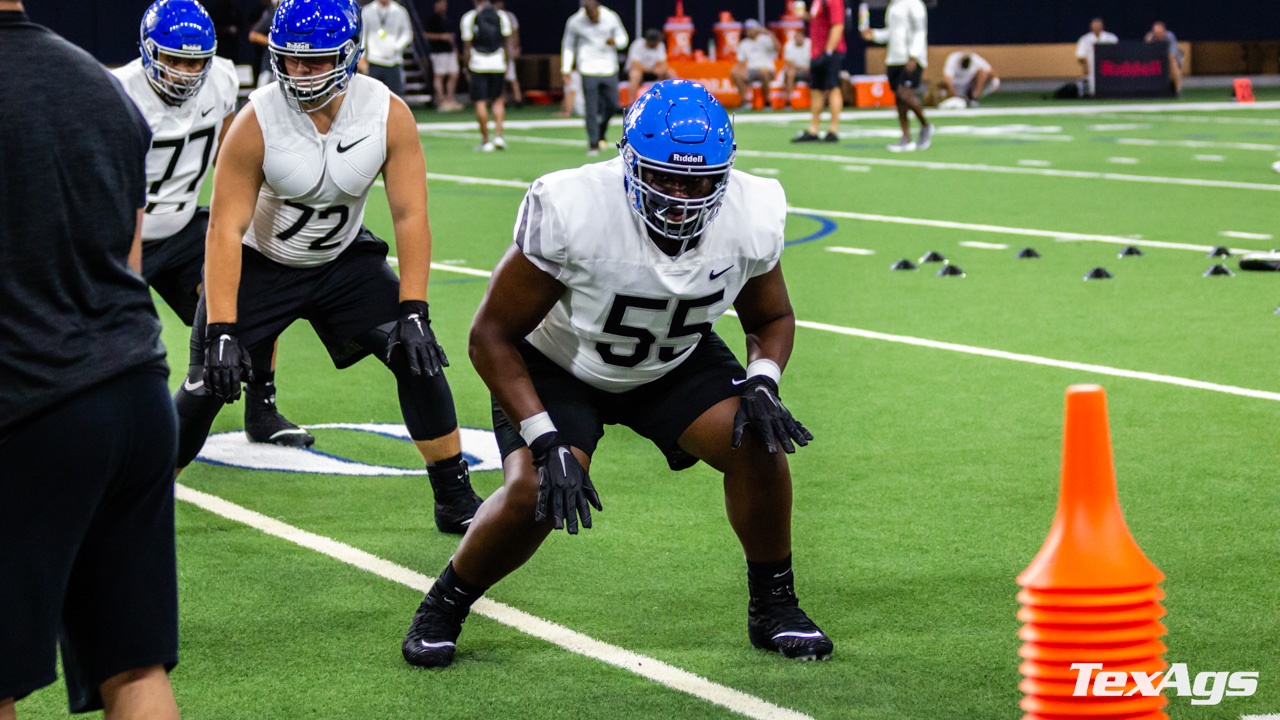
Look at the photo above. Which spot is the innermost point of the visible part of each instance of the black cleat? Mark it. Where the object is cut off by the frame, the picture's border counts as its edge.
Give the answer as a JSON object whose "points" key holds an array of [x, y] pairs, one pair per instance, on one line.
{"points": [[456, 501], [263, 423], [433, 635], [783, 627]]}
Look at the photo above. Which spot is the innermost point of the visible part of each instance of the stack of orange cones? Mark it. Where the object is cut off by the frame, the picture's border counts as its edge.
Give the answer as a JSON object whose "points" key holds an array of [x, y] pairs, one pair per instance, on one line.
{"points": [[1090, 595]]}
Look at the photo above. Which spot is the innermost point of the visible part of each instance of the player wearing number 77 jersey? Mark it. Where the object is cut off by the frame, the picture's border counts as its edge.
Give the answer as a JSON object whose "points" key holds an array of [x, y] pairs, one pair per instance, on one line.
{"points": [[601, 313], [188, 97], [286, 242]]}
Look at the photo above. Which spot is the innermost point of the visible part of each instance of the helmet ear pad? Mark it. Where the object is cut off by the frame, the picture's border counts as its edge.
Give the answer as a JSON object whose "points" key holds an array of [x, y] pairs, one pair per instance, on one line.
{"points": [[676, 128]]}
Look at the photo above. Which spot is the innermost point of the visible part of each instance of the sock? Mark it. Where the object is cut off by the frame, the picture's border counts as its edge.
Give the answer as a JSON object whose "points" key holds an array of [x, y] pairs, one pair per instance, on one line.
{"points": [[771, 581], [455, 592], [449, 478]]}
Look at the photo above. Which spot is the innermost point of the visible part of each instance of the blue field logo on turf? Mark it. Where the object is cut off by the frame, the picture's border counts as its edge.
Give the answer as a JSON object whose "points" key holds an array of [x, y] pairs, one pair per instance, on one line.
{"points": [[1208, 688], [233, 449]]}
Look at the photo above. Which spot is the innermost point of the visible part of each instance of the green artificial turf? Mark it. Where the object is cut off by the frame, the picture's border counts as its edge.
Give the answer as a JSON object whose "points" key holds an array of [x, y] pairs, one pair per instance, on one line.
{"points": [[930, 485]]}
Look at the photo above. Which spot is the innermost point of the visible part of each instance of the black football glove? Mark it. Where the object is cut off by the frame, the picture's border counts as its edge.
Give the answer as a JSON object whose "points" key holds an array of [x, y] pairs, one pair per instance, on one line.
{"points": [[413, 333], [564, 490], [225, 362], [761, 409]]}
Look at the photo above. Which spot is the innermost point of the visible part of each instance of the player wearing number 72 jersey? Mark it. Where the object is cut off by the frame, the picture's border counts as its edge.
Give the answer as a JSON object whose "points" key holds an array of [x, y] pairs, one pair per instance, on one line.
{"points": [[188, 97], [286, 242], [601, 313]]}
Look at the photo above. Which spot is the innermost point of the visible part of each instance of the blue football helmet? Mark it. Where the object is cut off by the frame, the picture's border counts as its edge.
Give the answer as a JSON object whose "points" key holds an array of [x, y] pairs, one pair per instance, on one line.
{"points": [[675, 133], [180, 29], [315, 30]]}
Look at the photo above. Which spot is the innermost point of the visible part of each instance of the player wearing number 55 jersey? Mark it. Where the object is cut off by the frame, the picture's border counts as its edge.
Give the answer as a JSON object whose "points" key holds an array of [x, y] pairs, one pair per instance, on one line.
{"points": [[601, 313], [188, 98], [286, 242]]}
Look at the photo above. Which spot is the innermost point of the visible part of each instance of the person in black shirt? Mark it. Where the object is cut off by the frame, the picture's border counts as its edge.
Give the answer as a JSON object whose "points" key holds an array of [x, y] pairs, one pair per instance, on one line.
{"points": [[444, 57], [88, 434]]}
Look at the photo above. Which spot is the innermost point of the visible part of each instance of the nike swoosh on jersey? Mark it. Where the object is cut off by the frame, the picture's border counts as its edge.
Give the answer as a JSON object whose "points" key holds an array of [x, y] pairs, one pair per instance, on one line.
{"points": [[206, 112], [342, 149], [715, 274]]}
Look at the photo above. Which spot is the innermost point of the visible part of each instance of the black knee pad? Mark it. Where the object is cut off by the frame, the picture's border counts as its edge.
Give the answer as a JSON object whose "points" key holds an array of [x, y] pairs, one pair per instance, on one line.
{"points": [[425, 402], [196, 412]]}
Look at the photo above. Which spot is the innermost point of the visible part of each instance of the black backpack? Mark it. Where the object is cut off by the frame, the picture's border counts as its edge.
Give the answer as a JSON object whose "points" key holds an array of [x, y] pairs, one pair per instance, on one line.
{"points": [[487, 37]]}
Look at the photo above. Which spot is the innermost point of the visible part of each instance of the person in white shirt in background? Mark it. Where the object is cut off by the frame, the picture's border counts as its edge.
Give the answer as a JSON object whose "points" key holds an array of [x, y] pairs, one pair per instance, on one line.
{"points": [[513, 82], [486, 38], [647, 62], [387, 32], [444, 57], [592, 39], [796, 56], [907, 33], [968, 76], [757, 53], [1097, 35]]}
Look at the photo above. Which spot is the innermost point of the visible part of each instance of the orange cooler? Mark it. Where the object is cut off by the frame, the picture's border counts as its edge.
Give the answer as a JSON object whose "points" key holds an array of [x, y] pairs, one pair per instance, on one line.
{"points": [[728, 34], [872, 91], [679, 31]]}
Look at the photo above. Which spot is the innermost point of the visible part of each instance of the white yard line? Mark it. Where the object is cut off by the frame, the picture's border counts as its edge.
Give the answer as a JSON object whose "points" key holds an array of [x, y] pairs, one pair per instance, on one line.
{"points": [[1123, 160], [1245, 235], [1001, 230], [575, 642], [1035, 163], [850, 251], [1210, 158], [984, 245], [1144, 110], [1012, 170], [1203, 144], [856, 168]]}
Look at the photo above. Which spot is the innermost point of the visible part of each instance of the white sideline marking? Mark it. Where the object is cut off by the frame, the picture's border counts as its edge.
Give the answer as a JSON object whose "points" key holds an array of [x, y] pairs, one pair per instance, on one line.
{"points": [[469, 180], [1201, 119], [1204, 144], [1111, 127], [850, 251], [1013, 170], [1123, 160], [1037, 360], [575, 642], [1144, 110], [1210, 158], [856, 168], [468, 271], [764, 171], [1245, 235], [1001, 230], [1035, 163], [1275, 716], [984, 245]]}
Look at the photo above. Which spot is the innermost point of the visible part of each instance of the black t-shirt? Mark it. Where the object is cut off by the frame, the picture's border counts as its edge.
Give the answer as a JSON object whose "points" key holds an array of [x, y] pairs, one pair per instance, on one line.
{"points": [[72, 176], [439, 24]]}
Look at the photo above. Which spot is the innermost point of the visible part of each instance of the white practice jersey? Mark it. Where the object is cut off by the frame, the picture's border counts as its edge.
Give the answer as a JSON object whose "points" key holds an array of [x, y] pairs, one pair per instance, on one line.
{"points": [[630, 313], [184, 141], [312, 200]]}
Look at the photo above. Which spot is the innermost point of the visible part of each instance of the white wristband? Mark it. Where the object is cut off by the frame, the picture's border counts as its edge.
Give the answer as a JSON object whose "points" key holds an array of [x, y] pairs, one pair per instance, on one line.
{"points": [[765, 367], [534, 427]]}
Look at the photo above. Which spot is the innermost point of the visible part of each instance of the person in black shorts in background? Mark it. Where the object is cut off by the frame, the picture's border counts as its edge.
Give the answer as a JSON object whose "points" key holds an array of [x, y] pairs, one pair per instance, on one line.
{"points": [[88, 436], [906, 32], [827, 46]]}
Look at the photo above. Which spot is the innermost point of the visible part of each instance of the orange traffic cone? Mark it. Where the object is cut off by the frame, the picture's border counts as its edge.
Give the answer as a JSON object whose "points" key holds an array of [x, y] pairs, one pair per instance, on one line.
{"points": [[1090, 595]]}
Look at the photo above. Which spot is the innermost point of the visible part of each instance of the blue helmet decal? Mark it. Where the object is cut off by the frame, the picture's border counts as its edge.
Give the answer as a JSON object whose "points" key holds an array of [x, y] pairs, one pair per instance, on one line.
{"points": [[677, 129], [315, 31], [178, 29]]}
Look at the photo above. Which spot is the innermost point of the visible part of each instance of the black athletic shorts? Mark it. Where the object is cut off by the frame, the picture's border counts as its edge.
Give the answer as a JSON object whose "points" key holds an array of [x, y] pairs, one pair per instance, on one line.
{"points": [[342, 299], [86, 539], [660, 410], [899, 77], [173, 266], [487, 86], [824, 71]]}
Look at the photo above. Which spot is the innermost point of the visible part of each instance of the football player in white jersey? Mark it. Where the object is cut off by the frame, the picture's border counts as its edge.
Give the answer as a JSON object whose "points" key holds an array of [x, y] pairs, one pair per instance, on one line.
{"points": [[188, 97], [601, 313], [286, 242]]}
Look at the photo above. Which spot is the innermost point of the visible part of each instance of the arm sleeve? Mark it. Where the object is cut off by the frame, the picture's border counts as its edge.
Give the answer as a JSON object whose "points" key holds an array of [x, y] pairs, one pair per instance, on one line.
{"points": [[539, 234], [568, 48], [619, 33], [232, 82], [406, 30], [504, 21], [919, 47], [773, 226], [465, 28], [880, 36], [1082, 49]]}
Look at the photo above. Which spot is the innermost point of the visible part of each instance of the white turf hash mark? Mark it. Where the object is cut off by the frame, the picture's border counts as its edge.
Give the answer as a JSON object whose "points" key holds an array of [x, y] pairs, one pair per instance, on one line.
{"points": [[1245, 235], [850, 251], [984, 245], [575, 642]]}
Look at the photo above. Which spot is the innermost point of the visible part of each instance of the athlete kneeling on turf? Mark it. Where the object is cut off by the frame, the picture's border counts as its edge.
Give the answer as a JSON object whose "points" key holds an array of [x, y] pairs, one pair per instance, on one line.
{"points": [[602, 313]]}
